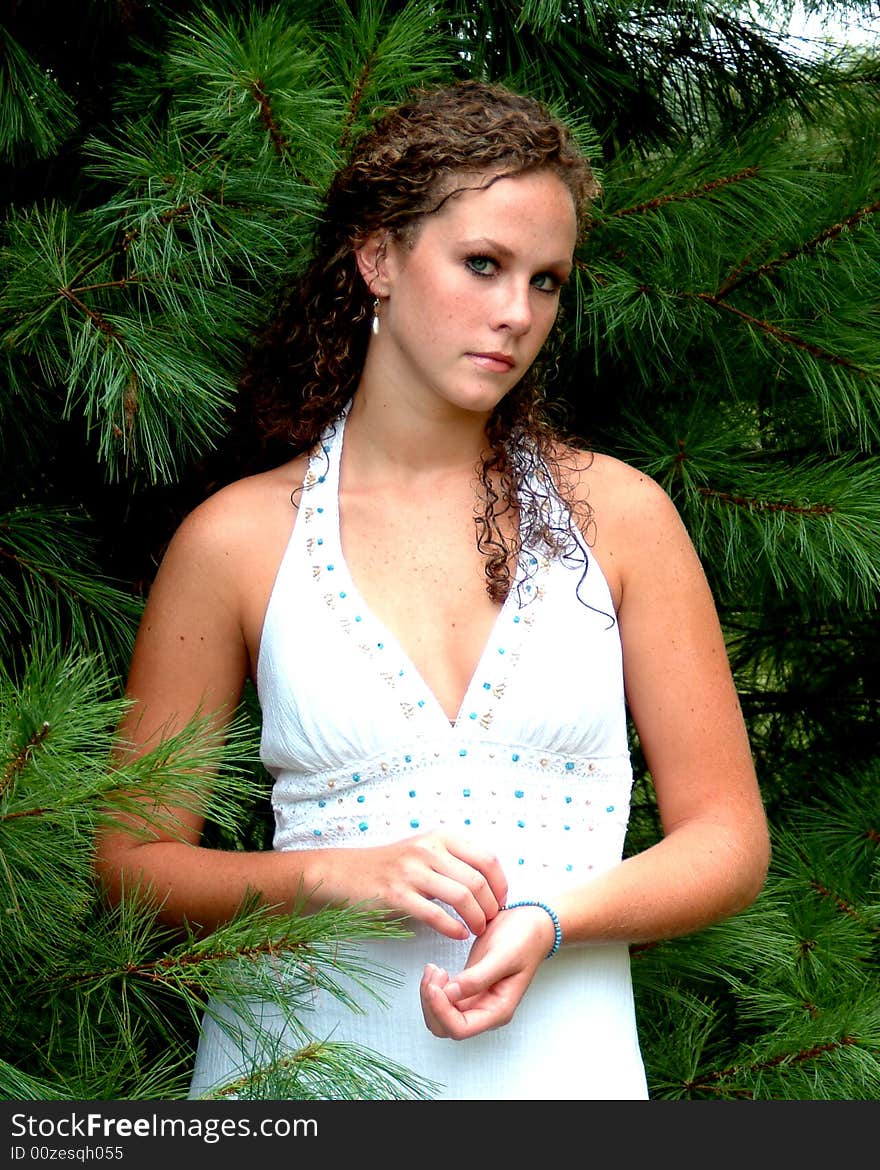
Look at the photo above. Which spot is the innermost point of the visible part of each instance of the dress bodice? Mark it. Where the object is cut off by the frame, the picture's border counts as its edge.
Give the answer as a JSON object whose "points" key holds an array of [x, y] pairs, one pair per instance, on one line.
{"points": [[535, 768], [536, 765]]}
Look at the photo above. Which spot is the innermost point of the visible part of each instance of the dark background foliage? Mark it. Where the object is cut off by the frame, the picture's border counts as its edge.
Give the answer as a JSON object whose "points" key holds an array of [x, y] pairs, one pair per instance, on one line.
{"points": [[159, 168]]}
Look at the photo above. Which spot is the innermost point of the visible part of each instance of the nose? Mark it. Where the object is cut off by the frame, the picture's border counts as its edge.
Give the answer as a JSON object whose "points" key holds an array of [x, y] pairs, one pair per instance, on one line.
{"points": [[513, 307]]}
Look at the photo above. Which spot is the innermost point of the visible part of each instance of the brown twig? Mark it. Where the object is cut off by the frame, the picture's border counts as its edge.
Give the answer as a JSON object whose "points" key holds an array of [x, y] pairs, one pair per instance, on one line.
{"points": [[681, 196], [711, 1081], [740, 276], [261, 97], [778, 334], [97, 319], [835, 898], [18, 762], [355, 104], [755, 505]]}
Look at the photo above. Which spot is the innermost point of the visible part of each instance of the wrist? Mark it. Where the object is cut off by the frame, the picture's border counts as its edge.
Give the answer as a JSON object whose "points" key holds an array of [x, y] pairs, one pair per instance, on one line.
{"points": [[551, 915]]}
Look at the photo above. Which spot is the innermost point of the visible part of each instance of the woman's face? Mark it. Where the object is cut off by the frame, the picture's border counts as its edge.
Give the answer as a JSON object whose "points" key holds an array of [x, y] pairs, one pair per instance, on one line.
{"points": [[467, 306]]}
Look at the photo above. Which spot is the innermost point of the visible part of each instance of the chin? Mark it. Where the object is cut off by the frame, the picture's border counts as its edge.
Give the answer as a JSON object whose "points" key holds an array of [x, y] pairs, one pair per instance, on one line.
{"points": [[479, 401]]}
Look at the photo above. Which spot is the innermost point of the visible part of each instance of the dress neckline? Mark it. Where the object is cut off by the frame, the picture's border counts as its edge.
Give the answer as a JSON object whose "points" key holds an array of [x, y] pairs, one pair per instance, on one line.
{"points": [[331, 574]]}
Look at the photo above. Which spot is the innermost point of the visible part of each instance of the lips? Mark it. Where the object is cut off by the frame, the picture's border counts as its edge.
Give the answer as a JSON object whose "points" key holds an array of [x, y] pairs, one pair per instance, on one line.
{"points": [[496, 363]]}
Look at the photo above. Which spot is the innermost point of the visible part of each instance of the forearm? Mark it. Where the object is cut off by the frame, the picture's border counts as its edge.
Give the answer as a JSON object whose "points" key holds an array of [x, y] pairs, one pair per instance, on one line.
{"points": [[697, 875], [449, 883], [206, 887]]}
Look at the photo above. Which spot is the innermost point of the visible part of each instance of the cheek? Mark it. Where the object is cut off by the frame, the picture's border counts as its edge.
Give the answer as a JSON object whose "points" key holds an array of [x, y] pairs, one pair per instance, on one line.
{"points": [[435, 295], [544, 325], [450, 309]]}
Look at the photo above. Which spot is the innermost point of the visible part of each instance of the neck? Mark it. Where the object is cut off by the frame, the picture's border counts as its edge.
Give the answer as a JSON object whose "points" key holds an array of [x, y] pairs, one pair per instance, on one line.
{"points": [[416, 438]]}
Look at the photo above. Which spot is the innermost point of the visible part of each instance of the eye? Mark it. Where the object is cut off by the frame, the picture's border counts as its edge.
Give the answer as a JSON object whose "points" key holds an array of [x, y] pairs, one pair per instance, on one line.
{"points": [[481, 265], [546, 282]]}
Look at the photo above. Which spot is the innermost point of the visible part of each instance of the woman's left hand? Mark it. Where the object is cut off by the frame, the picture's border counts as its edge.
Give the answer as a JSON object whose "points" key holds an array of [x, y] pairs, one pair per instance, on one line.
{"points": [[500, 967]]}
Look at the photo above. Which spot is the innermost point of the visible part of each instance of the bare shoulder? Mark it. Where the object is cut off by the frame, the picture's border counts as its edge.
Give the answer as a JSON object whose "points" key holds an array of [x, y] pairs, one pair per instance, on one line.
{"points": [[624, 513], [231, 542], [611, 487], [220, 566], [245, 512]]}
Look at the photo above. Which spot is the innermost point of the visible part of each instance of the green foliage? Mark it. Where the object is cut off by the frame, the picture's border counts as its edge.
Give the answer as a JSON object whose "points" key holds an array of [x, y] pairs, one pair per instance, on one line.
{"points": [[113, 997], [784, 999], [36, 115], [161, 170], [53, 584]]}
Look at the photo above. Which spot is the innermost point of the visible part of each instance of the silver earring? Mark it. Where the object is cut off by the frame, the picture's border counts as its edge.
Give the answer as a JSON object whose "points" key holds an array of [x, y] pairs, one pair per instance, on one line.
{"points": [[375, 323]]}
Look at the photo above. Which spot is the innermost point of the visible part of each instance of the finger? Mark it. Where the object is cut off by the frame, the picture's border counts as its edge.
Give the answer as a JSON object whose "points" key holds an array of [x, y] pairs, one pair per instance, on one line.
{"points": [[425, 910], [455, 892], [419, 899], [466, 888], [458, 1021], [486, 864], [433, 976], [433, 873], [434, 1004], [441, 1017], [476, 980], [448, 1020]]}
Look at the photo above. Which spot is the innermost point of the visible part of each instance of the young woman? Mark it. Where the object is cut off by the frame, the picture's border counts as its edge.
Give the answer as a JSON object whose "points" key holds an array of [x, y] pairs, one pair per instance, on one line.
{"points": [[447, 612]]}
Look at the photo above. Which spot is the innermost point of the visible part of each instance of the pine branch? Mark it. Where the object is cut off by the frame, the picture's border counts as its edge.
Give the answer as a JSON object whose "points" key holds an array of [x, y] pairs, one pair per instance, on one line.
{"points": [[19, 1086], [755, 504], [117, 249], [128, 972], [268, 119], [678, 196], [325, 1070], [36, 115], [232, 73], [715, 1081], [16, 765], [96, 318], [797, 970], [97, 979], [839, 902], [46, 566], [244, 957], [357, 100], [809, 524], [376, 55], [782, 336], [740, 276]]}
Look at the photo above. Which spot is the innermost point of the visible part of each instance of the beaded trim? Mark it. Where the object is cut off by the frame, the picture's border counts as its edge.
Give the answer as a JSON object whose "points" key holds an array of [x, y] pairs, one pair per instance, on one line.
{"points": [[575, 809], [320, 515]]}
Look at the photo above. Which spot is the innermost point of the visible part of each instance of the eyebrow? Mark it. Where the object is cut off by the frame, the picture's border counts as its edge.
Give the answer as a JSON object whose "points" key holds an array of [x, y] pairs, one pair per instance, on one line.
{"points": [[487, 244]]}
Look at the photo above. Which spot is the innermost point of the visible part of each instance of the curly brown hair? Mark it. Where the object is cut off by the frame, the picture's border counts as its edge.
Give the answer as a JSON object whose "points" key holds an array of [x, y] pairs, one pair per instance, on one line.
{"points": [[306, 364]]}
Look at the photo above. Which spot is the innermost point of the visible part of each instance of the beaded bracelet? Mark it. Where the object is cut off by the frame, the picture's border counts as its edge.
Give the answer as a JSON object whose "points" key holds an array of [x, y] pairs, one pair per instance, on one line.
{"points": [[557, 941]]}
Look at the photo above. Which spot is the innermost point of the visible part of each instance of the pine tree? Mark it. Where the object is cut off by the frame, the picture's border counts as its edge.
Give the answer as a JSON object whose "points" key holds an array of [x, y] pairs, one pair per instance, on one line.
{"points": [[161, 171]]}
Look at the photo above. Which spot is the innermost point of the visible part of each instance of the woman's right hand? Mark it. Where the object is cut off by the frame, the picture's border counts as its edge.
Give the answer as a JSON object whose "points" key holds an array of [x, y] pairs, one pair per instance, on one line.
{"points": [[414, 876]]}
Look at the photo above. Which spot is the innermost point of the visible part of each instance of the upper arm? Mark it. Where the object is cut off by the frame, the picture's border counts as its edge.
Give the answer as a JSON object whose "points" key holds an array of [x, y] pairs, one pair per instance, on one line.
{"points": [[679, 686], [190, 650], [190, 656]]}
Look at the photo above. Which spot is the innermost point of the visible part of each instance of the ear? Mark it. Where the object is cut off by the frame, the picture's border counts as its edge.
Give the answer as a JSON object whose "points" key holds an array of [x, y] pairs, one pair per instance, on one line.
{"points": [[372, 262]]}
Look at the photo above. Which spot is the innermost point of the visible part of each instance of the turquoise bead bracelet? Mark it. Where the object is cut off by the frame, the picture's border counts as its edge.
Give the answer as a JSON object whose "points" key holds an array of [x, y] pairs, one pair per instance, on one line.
{"points": [[557, 941]]}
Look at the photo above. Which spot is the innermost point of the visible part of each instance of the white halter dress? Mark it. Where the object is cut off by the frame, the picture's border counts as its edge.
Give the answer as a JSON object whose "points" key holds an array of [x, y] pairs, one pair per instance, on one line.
{"points": [[536, 767]]}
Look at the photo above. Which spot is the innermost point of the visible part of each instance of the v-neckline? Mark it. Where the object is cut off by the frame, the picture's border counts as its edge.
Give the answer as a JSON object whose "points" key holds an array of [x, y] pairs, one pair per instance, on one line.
{"points": [[417, 700]]}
